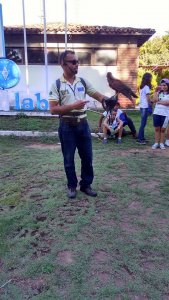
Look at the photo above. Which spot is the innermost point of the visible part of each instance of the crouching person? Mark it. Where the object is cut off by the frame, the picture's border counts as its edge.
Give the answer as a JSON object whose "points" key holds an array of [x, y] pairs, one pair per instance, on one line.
{"points": [[112, 127]]}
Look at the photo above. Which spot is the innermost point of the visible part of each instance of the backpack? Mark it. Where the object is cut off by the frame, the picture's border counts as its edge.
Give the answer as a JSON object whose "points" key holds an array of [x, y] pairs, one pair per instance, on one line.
{"points": [[58, 85]]}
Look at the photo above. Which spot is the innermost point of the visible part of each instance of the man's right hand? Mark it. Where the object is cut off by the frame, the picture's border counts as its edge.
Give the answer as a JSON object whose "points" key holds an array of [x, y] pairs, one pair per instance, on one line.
{"points": [[80, 104]]}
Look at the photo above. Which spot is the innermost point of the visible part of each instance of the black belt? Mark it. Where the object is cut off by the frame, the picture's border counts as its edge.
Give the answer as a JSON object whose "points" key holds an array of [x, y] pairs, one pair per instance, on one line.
{"points": [[73, 121], [76, 114]]}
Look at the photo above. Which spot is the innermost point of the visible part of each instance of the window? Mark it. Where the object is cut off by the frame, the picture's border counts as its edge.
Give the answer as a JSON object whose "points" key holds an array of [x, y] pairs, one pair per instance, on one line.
{"points": [[15, 54], [84, 57], [87, 57], [53, 56], [36, 56], [105, 57]]}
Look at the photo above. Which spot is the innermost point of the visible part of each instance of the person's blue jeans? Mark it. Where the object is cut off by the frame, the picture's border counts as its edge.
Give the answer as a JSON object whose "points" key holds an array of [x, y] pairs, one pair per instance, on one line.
{"points": [[72, 138], [144, 116]]}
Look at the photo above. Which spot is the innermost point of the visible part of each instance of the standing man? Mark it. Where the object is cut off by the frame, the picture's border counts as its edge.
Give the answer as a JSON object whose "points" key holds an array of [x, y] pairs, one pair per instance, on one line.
{"points": [[68, 100]]}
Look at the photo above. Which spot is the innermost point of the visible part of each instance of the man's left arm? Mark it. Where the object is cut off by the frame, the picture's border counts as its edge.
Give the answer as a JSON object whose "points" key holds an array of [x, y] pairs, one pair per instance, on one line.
{"points": [[98, 96]]}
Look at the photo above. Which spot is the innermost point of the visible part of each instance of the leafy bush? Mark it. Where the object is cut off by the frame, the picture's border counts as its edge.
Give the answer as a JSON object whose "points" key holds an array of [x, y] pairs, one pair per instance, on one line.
{"points": [[164, 74]]}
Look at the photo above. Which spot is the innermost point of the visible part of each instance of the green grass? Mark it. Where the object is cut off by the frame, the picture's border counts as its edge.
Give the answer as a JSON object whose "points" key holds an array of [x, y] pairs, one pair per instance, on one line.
{"points": [[23, 122], [114, 246], [47, 124]]}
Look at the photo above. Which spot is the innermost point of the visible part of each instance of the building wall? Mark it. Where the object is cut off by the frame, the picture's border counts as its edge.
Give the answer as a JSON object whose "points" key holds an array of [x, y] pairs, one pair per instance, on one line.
{"points": [[39, 80], [16, 98], [127, 68]]}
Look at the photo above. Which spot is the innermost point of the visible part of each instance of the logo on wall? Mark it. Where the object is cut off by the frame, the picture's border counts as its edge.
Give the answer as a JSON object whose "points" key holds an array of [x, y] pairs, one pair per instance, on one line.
{"points": [[9, 73]]}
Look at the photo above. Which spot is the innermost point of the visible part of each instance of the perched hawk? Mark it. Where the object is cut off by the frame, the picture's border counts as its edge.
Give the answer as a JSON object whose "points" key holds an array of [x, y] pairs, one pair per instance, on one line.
{"points": [[120, 87]]}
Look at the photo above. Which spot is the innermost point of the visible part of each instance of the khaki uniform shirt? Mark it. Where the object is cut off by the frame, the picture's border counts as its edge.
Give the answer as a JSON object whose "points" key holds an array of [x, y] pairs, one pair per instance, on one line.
{"points": [[69, 93]]}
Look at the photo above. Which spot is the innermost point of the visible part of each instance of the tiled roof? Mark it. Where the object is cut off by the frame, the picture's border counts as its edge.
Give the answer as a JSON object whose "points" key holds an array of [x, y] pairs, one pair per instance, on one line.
{"points": [[54, 28]]}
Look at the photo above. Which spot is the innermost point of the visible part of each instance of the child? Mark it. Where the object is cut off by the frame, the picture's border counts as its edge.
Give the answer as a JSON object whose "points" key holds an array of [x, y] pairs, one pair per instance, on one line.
{"points": [[112, 125], [123, 117], [161, 113], [145, 89]]}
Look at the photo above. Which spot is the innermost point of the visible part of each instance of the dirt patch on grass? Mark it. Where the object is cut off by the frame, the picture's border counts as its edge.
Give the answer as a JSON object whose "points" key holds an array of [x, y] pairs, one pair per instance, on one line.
{"points": [[44, 146], [35, 285], [150, 185], [122, 153], [101, 256], [65, 258], [157, 152]]}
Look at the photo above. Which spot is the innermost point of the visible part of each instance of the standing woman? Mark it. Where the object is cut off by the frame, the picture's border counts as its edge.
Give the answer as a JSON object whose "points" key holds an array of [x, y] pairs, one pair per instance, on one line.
{"points": [[145, 89], [161, 113]]}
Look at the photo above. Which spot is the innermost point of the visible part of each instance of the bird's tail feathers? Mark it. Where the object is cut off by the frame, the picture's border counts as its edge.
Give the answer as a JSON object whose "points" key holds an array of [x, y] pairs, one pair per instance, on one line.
{"points": [[134, 95]]}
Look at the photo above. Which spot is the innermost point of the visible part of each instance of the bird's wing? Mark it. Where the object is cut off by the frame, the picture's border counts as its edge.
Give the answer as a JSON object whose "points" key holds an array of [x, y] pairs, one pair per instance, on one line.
{"points": [[120, 87]]}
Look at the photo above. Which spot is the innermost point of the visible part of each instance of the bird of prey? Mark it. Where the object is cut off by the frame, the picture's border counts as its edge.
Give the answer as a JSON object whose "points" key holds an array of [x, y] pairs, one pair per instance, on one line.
{"points": [[120, 87]]}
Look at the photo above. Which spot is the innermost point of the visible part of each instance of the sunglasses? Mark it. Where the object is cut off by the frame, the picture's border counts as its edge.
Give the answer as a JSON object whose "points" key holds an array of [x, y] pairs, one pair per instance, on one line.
{"points": [[73, 62]]}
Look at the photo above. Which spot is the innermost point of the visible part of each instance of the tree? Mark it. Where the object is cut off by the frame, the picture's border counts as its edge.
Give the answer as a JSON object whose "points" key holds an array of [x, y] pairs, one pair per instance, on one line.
{"points": [[155, 52]]}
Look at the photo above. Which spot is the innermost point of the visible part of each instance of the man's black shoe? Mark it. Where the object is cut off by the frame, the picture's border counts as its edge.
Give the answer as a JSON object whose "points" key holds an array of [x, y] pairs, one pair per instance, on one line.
{"points": [[89, 191], [71, 193]]}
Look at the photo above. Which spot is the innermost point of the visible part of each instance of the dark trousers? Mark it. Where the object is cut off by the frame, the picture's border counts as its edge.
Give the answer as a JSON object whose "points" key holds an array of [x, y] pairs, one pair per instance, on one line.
{"points": [[78, 137], [130, 124]]}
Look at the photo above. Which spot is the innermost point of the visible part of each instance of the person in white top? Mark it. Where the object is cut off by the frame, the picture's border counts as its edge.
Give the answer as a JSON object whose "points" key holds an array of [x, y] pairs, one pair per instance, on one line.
{"points": [[161, 113], [167, 133], [112, 125], [145, 90]]}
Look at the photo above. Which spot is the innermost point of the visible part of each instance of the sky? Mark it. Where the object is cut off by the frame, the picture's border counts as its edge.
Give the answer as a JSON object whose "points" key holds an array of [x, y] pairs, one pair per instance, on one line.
{"points": [[120, 13]]}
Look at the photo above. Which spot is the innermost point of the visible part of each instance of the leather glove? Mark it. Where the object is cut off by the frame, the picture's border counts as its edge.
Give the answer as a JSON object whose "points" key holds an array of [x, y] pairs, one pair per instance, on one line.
{"points": [[109, 103]]}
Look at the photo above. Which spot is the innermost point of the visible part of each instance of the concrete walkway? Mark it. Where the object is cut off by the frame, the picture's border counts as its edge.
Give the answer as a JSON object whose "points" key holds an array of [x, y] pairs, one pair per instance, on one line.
{"points": [[32, 133]]}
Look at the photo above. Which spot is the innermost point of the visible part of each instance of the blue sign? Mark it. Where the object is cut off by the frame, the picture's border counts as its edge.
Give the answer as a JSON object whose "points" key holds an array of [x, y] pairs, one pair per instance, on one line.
{"points": [[30, 104], [9, 73]]}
